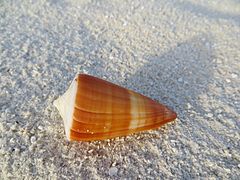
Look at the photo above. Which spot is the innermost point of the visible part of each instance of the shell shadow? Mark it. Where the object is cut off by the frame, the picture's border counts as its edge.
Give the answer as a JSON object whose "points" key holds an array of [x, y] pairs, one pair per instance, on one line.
{"points": [[178, 76], [177, 79]]}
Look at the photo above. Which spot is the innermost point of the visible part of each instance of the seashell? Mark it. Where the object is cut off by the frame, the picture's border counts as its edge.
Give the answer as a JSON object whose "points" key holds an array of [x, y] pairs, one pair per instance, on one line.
{"points": [[94, 109]]}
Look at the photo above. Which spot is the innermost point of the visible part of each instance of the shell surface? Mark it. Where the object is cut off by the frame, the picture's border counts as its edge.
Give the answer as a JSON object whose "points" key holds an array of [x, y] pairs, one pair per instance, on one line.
{"points": [[94, 109]]}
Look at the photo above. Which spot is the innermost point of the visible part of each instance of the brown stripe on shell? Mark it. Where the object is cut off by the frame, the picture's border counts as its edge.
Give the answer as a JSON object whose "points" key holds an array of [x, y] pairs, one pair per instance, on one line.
{"points": [[106, 135]]}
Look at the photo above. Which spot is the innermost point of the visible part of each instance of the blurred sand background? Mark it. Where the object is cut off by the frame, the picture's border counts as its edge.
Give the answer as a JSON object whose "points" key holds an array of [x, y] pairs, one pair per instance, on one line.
{"points": [[183, 53]]}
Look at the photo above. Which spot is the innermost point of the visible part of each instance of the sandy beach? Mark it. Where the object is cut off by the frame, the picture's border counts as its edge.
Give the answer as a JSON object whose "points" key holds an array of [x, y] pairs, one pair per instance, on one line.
{"points": [[184, 54]]}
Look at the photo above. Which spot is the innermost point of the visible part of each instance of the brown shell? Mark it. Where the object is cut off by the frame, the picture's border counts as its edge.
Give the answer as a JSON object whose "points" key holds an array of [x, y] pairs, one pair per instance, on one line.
{"points": [[103, 110]]}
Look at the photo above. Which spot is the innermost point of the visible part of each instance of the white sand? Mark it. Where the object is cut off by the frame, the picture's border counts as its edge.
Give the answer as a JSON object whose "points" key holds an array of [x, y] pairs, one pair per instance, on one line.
{"points": [[182, 53]]}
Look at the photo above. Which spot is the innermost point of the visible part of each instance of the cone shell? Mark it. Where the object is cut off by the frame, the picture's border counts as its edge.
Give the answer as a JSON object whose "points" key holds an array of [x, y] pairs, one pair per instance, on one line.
{"points": [[94, 109]]}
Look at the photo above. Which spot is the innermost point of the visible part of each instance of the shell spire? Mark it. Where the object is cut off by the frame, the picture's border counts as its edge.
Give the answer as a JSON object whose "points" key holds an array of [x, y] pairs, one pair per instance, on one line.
{"points": [[95, 109]]}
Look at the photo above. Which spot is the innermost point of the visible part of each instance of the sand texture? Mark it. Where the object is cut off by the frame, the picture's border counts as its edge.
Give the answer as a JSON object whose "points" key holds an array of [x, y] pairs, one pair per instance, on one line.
{"points": [[183, 53]]}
